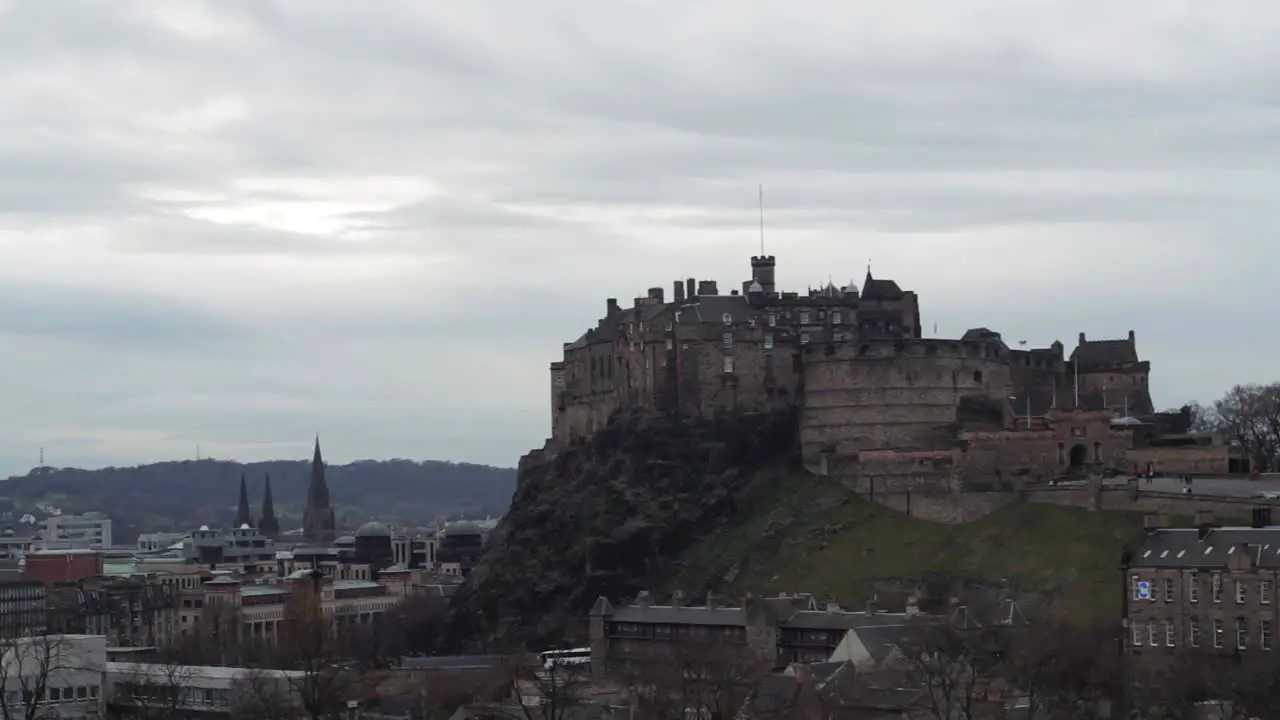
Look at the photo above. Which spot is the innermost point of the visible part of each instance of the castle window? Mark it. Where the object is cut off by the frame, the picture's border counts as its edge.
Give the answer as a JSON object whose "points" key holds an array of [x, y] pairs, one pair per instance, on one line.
{"points": [[727, 318], [804, 318], [728, 364], [671, 344], [773, 319], [977, 376], [835, 318], [728, 340], [768, 342], [804, 338]]}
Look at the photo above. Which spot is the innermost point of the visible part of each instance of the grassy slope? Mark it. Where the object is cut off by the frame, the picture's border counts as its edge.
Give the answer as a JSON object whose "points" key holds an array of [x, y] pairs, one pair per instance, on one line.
{"points": [[807, 534]]}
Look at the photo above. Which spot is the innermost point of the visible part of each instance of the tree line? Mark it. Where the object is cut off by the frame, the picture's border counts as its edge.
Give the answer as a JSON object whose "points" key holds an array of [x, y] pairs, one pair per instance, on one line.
{"points": [[1247, 415]]}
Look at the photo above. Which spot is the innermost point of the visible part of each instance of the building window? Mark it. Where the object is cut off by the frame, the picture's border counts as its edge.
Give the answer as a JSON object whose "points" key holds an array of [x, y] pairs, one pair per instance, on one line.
{"points": [[728, 340], [1242, 633], [1137, 634], [1264, 592], [1168, 589], [1264, 634], [768, 342], [1242, 590], [1193, 587], [1217, 588], [1168, 633], [835, 318], [804, 338], [671, 344], [1217, 632], [773, 319], [1193, 632], [804, 318], [727, 318], [728, 364], [1152, 635]]}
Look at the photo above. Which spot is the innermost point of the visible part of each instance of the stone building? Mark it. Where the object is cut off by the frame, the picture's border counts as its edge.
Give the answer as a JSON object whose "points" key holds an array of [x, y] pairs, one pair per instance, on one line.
{"points": [[773, 632], [878, 399], [1206, 589]]}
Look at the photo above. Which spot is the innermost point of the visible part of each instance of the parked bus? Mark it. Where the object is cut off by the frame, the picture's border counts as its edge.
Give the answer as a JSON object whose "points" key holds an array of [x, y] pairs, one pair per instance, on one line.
{"points": [[559, 658]]}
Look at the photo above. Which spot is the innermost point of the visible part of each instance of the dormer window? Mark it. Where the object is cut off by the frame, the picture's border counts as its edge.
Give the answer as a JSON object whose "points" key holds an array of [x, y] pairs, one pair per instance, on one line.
{"points": [[804, 318], [835, 318], [804, 338], [728, 365], [728, 340], [768, 342], [727, 318]]}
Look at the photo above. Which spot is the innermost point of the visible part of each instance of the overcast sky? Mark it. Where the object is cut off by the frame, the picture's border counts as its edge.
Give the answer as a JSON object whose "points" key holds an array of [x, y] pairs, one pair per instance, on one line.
{"points": [[235, 224]]}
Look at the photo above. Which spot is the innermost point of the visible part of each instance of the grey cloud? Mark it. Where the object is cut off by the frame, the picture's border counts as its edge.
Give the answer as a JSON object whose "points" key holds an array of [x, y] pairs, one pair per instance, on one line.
{"points": [[109, 320], [574, 157]]}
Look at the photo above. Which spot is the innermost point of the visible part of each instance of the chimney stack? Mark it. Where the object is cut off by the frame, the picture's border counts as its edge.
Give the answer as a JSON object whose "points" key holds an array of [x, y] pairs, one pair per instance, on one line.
{"points": [[1131, 336], [1081, 338], [677, 599], [691, 289], [610, 306], [655, 294], [711, 600], [913, 605], [708, 287], [678, 295], [643, 599]]}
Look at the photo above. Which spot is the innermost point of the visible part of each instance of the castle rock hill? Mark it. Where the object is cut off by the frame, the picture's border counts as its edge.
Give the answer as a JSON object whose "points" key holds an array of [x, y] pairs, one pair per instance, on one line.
{"points": [[883, 408]]}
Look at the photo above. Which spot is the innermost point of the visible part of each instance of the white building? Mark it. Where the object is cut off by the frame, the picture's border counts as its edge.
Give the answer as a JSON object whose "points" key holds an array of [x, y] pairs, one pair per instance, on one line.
{"points": [[59, 676], [68, 532], [146, 688], [160, 541]]}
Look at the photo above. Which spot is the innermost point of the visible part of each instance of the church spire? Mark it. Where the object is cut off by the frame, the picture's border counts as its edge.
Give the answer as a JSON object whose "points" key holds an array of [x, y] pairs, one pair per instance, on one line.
{"points": [[318, 519], [268, 525], [242, 513]]}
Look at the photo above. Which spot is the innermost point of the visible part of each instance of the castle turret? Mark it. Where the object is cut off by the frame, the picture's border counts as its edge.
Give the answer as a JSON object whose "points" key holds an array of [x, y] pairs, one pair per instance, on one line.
{"points": [[762, 268]]}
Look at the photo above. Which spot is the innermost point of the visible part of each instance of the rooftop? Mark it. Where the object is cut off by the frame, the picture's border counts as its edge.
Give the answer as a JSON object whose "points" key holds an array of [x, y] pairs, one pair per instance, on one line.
{"points": [[196, 672], [1185, 548]]}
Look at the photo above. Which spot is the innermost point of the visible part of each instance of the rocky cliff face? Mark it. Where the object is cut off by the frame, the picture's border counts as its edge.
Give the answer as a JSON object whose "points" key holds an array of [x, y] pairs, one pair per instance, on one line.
{"points": [[611, 517]]}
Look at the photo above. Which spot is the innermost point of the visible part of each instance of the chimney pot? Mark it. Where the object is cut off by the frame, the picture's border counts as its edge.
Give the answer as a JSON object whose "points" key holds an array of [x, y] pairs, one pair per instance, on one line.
{"points": [[1081, 338], [1131, 336]]}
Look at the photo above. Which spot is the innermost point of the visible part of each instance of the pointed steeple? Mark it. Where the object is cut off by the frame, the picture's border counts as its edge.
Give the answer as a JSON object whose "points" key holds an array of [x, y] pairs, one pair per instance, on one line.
{"points": [[268, 525], [318, 519], [242, 513]]}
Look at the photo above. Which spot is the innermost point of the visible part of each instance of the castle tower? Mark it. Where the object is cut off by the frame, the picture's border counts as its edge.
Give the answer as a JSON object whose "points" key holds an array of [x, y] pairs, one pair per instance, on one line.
{"points": [[762, 268], [317, 519], [268, 525], [242, 513]]}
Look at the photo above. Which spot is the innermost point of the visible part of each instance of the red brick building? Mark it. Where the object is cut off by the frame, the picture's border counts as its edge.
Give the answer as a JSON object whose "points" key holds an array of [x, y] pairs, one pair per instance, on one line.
{"points": [[53, 566]]}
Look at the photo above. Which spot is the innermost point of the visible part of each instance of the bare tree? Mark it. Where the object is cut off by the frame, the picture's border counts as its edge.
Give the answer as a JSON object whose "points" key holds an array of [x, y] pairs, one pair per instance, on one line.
{"points": [[39, 670], [693, 678], [264, 695], [308, 645], [1064, 670], [155, 691], [1228, 687], [1250, 415], [953, 665], [532, 691]]}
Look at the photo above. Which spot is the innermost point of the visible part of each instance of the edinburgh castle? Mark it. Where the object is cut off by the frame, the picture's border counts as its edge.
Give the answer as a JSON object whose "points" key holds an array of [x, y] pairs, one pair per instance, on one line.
{"points": [[890, 412]]}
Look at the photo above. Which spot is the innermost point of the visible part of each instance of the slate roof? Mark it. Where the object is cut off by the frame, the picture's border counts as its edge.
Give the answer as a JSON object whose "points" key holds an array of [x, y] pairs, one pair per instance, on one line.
{"points": [[1105, 352], [1184, 548], [873, 289], [713, 308]]}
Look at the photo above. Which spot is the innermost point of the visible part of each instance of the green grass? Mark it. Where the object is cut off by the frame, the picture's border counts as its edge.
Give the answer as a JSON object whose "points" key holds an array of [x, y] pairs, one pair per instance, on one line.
{"points": [[797, 533]]}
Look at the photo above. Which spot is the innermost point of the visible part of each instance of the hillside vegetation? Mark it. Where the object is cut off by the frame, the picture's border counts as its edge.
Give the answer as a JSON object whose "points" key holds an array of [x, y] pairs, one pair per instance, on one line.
{"points": [[717, 505], [809, 534]]}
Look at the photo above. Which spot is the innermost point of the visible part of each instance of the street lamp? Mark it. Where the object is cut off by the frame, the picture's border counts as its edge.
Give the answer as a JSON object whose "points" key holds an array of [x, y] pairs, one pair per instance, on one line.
{"points": [[1013, 398]]}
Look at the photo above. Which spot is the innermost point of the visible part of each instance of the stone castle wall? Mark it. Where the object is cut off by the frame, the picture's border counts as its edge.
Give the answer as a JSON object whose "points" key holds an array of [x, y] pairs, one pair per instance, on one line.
{"points": [[894, 393]]}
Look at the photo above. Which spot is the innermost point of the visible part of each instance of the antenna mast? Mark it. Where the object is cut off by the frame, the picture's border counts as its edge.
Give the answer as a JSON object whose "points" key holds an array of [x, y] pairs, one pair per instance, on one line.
{"points": [[761, 219]]}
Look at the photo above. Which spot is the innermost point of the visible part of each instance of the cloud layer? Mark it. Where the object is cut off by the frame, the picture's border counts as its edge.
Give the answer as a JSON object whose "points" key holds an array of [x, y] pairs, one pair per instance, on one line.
{"points": [[235, 224]]}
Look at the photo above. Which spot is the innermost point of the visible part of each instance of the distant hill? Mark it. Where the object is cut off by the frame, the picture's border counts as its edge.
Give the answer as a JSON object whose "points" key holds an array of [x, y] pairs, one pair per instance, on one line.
{"points": [[185, 495]]}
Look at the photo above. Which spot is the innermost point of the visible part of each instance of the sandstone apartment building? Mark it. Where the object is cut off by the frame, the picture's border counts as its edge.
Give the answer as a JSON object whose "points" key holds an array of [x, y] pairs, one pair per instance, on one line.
{"points": [[1206, 589]]}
